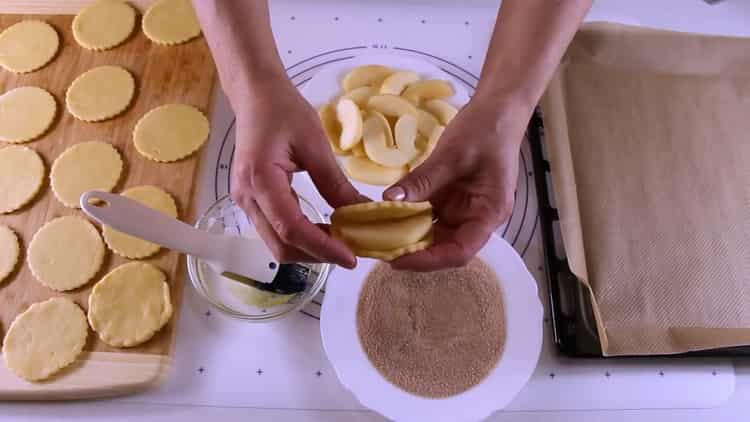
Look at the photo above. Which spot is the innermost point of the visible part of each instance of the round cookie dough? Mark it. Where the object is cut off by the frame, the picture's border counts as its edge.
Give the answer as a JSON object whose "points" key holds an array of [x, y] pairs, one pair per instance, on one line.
{"points": [[9, 251], [171, 22], [170, 132], [104, 24], [45, 338], [21, 177], [65, 253], [133, 247], [100, 93], [83, 167], [130, 304], [25, 114], [27, 46]]}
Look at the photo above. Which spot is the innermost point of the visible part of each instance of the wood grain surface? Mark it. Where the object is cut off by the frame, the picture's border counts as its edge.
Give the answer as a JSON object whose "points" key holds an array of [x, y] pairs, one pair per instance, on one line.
{"points": [[183, 74]]}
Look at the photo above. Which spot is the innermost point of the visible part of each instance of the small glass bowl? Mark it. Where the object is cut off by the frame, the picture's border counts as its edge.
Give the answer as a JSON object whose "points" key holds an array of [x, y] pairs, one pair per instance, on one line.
{"points": [[232, 298]]}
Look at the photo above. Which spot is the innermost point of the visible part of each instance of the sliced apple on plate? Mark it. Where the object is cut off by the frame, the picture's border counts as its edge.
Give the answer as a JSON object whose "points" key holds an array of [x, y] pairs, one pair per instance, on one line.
{"points": [[365, 171], [432, 89], [368, 75], [331, 127], [350, 119], [375, 139], [432, 142], [398, 81], [391, 105], [441, 109]]}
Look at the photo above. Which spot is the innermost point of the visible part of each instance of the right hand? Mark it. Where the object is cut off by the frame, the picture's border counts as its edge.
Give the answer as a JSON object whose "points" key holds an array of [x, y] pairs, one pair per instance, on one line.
{"points": [[279, 133]]}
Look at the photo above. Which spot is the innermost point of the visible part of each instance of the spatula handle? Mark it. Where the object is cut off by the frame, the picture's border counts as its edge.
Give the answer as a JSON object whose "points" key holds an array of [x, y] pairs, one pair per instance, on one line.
{"points": [[131, 217]]}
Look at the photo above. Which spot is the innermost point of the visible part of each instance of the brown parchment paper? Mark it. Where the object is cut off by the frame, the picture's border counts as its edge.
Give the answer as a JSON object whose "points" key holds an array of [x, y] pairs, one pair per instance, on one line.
{"points": [[648, 136]]}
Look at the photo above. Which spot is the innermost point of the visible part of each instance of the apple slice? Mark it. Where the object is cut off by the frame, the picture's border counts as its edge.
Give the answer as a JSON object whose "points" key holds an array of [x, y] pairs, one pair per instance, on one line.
{"points": [[426, 122], [377, 131], [361, 95], [331, 127], [350, 119], [432, 89], [443, 110], [432, 142], [397, 82], [365, 171], [368, 75], [391, 105]]}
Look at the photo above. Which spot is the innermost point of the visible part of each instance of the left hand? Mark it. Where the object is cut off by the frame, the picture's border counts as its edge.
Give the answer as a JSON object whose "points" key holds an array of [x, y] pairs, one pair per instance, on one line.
{"points": [[470, 179]]}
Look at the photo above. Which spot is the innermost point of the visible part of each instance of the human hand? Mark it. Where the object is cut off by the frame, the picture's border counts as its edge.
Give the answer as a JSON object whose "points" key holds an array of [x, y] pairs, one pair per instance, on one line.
{"points": [[279, 133], [470, 179]]}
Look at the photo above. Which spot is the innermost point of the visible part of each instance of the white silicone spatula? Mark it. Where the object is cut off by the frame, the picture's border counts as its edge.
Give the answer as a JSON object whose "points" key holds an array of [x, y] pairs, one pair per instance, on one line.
{"points": [[244, 260]]}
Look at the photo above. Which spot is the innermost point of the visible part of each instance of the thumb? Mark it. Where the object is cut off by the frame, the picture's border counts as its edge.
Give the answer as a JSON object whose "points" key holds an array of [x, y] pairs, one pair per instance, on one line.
{"points": [[331, 182], [424, 181]]}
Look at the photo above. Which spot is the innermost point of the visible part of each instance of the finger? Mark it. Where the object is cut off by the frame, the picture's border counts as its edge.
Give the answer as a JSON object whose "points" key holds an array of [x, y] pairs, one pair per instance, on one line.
{"points": [[454, 247], [424, 181], [284, 253], [327, 176], [277, 202]]}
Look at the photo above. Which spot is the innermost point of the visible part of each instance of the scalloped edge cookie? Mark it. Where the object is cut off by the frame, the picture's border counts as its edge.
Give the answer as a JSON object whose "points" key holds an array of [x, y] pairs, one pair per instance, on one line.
{"points": [[42, 109], [43, 29], [118, 16], [56, 178], [35, 173], [10, 245], [178, 13], [171, 132], [115, 84]]}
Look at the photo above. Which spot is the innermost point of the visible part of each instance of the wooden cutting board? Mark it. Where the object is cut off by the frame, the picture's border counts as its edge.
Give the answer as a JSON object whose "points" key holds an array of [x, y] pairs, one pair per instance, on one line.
{"points": [[183, 74]]}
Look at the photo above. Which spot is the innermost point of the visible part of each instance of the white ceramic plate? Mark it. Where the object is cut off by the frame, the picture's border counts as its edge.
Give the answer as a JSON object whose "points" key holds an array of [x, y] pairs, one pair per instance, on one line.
{"points": [[523, 313], [325, 86]]}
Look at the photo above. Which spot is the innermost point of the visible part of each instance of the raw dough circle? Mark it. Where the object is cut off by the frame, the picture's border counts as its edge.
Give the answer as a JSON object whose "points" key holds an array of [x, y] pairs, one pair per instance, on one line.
{"points": [[25, 113], [21, 176], [9, 251], [27, 46], [100, 93], [133, 247], [170, 132], [65, 253], [83, 167], [104, 24], [45, 338], [130, 304], [171, 22]]}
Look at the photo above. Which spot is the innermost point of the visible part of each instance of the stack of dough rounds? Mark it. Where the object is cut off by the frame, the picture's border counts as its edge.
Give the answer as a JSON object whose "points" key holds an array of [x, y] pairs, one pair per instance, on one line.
{"points": [[133, 247], [9, 251], [170, 132], [21, 177], [100, 93], [384, 230], [83, 167], [45, 338], [104, 24], [25, 114], [171, 22], [65, 253], [130, 304], [27, 46]]}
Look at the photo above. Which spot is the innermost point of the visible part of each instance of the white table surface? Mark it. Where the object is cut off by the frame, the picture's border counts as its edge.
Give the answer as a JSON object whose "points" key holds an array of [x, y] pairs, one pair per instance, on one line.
{"points": [[732, 17]]}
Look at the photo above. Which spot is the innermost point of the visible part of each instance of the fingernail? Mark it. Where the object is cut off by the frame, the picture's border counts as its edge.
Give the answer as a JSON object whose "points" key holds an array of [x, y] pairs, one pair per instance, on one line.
{"points": [[396, 193]]}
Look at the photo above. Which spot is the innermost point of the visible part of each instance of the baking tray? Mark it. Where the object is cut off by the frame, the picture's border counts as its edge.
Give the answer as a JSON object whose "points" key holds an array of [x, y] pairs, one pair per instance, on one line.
{"points": [[572, 318]]}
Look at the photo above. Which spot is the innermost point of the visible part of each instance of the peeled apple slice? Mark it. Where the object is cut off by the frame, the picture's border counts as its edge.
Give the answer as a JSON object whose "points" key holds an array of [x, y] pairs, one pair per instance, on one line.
{"points": [[365, 171], [443, 110], [331, 127], [375, 134], [391, 105], [350, 119], [432, 142], [428, 90], [405, 134], [426, 122], [361, 95], [371, 75], [397, 82]]}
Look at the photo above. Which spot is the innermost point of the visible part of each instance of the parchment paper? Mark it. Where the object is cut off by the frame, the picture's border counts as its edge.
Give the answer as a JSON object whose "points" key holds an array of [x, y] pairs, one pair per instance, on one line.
{"points": [[648, 136]]}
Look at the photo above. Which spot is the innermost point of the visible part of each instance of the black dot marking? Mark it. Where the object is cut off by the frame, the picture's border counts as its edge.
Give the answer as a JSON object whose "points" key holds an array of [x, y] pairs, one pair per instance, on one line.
{"points": [[259, 371], [713, 373], [607, 374], [661, 373], [380, 19], [208, 313], [470, 57], [272, 265], [552, 375], [530, 173], [336, 18], [201, 369], [263, 310], [292, 18], [318, 373], [289, 52], [466, 23], [546, 319], [423, 21], [540, 268]]}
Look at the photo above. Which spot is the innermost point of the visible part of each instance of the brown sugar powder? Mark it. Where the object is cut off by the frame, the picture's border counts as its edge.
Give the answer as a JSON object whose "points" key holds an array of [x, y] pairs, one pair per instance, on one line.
{"points": [[432, 334]]}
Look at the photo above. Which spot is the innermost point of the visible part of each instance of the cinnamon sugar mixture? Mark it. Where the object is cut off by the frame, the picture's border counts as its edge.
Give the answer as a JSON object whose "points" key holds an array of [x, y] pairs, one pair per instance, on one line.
{"points": [[432, 334]]}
